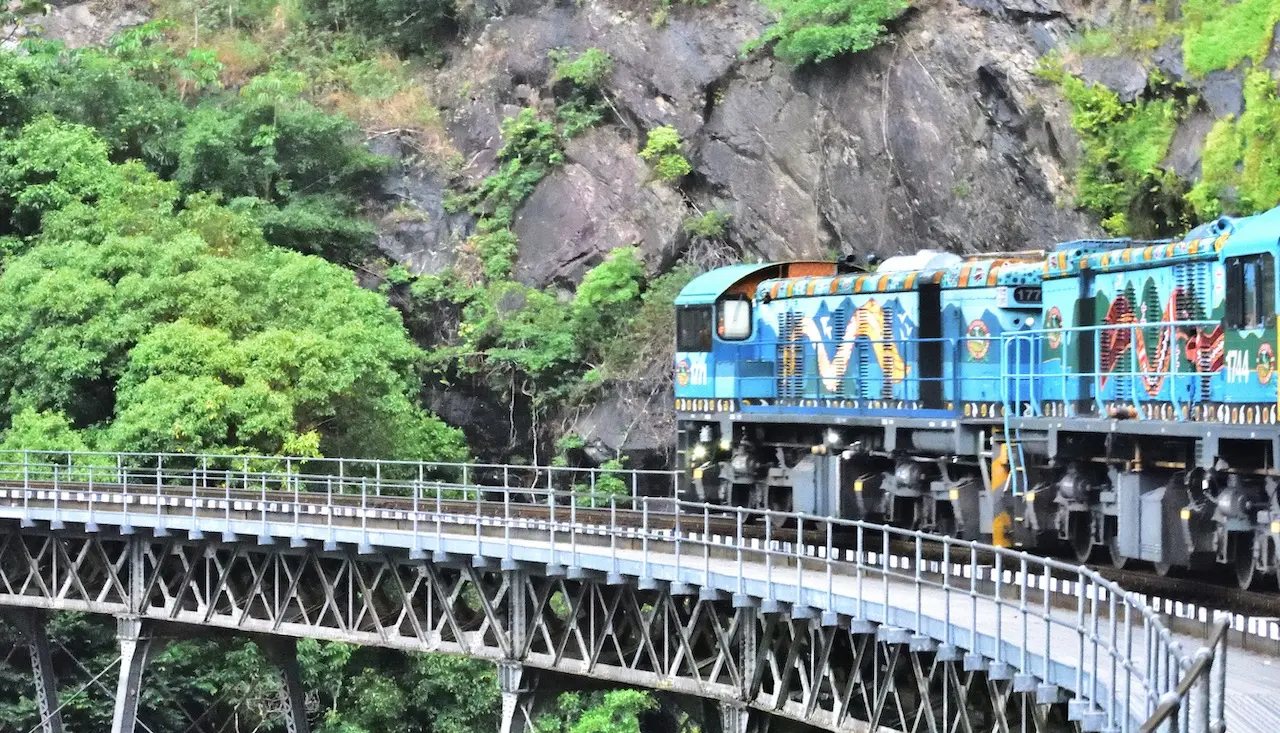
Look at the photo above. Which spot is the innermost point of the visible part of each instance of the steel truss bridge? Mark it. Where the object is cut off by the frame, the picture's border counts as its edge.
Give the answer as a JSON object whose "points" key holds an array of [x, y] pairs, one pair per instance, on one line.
{"points": [[772, 618]]}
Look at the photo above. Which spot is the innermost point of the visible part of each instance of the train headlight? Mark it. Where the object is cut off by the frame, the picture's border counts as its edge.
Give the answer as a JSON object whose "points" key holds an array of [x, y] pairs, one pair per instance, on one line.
{"points": [[1031, 497], [726, 444], [699, 452], [834, 440], [1275, 528], [1185, 514]]}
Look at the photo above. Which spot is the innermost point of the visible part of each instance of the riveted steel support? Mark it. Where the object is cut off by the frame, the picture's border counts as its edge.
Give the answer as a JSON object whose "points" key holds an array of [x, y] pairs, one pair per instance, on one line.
{"points": [[516, 698], [734, 717], [284, 654], [135, 651], [31, 625]]}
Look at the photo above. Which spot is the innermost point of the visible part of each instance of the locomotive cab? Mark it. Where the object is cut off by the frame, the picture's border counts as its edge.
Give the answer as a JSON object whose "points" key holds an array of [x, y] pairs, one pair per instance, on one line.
{"points": [[718, 364]]}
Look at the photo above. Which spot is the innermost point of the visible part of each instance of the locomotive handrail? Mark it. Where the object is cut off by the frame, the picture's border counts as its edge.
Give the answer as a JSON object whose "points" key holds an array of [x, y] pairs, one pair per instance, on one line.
{"points": [[1121, 661], [1136, 374], [1028, 373]]}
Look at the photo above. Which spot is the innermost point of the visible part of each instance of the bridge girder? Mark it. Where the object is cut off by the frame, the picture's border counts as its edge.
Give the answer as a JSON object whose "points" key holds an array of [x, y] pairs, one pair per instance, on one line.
{"points": [[836, 673]]}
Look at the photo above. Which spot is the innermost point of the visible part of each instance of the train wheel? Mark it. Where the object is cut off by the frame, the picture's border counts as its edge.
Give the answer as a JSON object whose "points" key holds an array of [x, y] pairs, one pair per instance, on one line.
{"points": [[1118, 561], [1081, 537]]}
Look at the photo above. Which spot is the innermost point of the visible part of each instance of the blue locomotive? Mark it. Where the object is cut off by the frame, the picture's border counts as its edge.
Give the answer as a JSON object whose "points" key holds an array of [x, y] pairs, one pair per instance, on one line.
{"points": [[1105, 394]]}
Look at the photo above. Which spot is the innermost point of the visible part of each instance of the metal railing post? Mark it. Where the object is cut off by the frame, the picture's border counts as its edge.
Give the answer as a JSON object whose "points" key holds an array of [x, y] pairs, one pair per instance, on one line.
{"points": [[741, 542], [800, 559], [706, 539], [26, 484], [263, 533], [946, 590], [917, 561], [613, 534], [768, 553], [159, 497], [999, 598], [831, 601], [644, 539]]}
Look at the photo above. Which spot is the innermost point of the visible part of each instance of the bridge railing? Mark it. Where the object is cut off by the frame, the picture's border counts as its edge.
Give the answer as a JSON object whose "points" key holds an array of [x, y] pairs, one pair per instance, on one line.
{"points": [[1111, 649], [333, 476]]}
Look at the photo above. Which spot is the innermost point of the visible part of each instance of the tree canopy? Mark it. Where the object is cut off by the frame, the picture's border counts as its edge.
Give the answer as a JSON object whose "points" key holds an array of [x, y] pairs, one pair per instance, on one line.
{"points": [[156, 323]]}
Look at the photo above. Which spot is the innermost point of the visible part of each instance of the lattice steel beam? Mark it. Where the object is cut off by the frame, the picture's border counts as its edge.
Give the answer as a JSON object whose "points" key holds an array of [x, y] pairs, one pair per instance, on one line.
{"points": [[30, 624], [837, 673]]}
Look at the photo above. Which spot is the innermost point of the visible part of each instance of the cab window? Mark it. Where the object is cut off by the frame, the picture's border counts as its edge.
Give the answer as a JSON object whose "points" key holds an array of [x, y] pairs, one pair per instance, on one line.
{"points": [[733, 319], [693, 328], [1251, 291]]}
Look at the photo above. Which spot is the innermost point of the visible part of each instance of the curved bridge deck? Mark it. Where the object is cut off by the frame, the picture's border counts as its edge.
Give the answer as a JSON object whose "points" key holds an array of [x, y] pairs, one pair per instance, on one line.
{"points": [[842, 635]]}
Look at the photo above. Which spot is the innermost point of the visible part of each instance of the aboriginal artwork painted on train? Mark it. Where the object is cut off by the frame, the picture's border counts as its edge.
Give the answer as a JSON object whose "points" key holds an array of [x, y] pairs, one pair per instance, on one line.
{"points": [[1198, 365], [842, 348]]}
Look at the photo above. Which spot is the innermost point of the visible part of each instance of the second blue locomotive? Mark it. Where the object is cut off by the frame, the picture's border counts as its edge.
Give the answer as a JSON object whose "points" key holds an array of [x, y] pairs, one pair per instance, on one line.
{"points": [[1106, 394]]}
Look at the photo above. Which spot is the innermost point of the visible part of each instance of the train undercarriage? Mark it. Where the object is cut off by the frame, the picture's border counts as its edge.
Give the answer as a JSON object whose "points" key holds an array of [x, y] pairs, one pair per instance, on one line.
{"points": [[1128, 497]]}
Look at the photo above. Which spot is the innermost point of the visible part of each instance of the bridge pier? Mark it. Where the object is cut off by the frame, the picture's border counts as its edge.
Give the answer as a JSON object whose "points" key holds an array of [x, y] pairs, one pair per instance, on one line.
{"points": [[517, 698], [137, 647], [283, 653], [734, 717], [30, 624]]}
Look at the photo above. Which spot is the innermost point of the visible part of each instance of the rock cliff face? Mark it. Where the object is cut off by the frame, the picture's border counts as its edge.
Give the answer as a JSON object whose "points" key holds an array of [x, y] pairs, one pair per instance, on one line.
{"points": [[940, 139]]}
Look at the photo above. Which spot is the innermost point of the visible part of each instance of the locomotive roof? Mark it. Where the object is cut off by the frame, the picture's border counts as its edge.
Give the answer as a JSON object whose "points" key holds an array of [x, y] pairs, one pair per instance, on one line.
{"points": [[1141, 254], [709, 286], [972, 273]]}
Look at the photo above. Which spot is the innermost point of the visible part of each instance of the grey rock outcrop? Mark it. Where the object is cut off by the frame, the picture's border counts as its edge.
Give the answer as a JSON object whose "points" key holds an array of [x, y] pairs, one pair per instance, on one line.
{"points": [[601, 199], [80, 24], [943, 139], [1125, 76], [1223, 92], [415, 229]]}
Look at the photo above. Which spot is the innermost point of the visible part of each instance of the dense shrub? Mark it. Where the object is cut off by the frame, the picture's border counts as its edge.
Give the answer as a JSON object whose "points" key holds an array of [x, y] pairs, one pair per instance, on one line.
{"points": [[808, 31]]}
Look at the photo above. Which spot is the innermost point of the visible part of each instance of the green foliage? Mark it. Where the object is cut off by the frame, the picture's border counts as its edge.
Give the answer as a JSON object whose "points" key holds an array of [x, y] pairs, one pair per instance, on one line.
{"points": [[320, 224], [1123, 147], [588, 70], [1217, 34], [615, 711], [711, 225], [1240, 167], [406, 26], [41, 431], [577, 116], [585, 105], [606, 299], [1095, 41], [264, 142], [811, 31], [497, 250], [642, 347], [367, 689], [530, 149], [155, 338], [664, 149]]}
